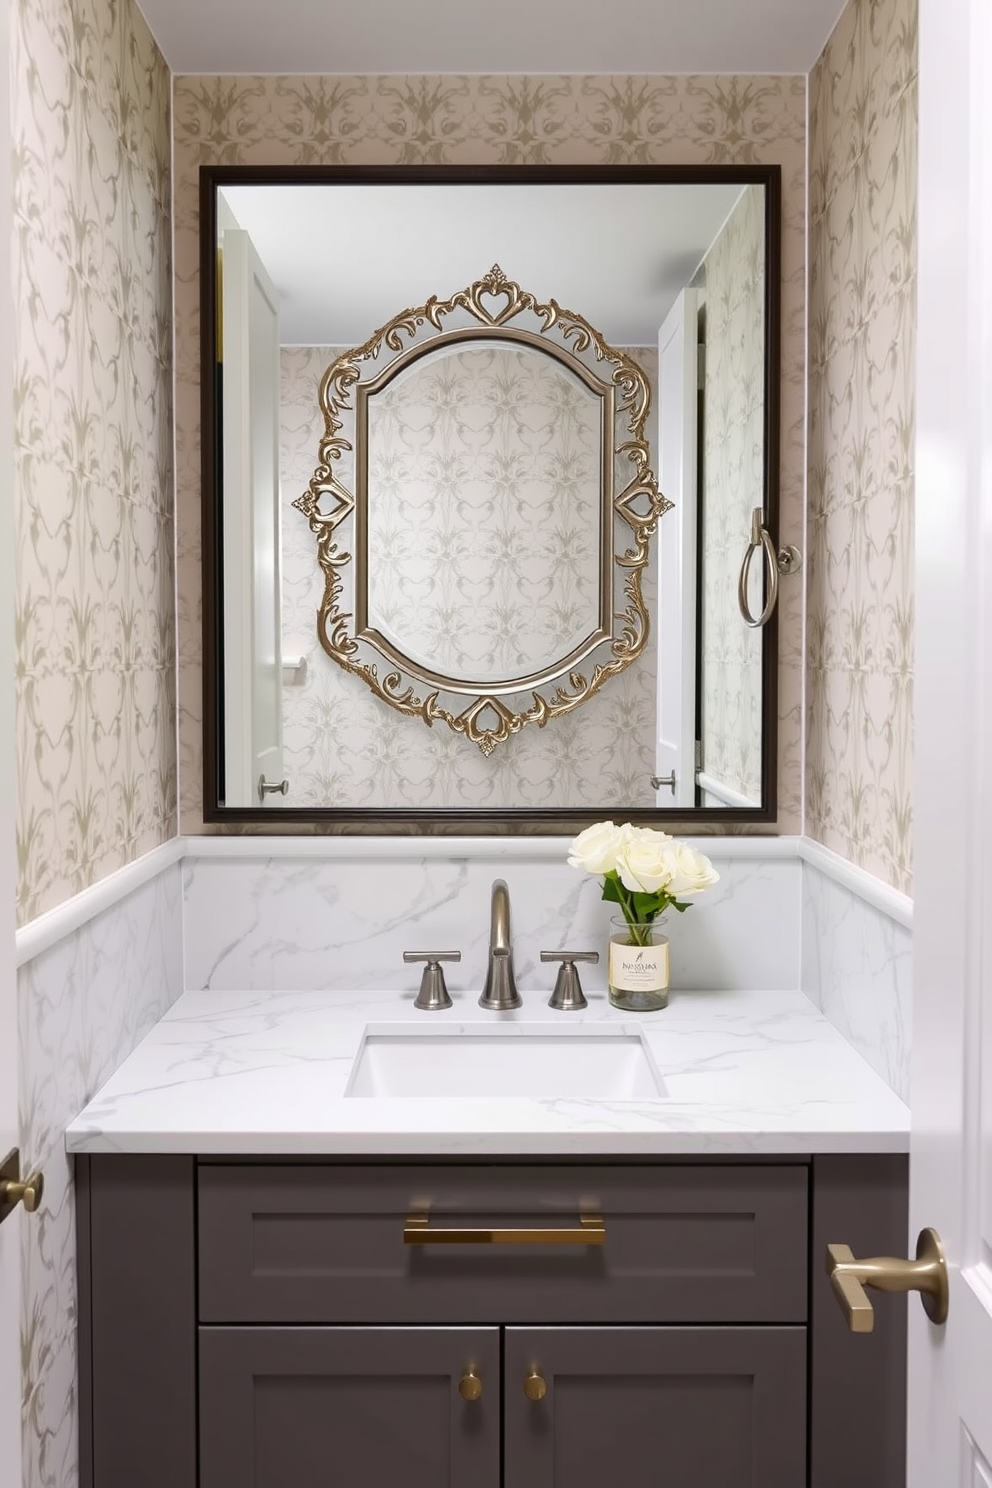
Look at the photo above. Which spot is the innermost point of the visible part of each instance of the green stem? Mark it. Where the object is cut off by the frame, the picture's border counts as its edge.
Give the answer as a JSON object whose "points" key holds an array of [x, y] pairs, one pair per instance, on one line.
{"points": [[640, 930]]}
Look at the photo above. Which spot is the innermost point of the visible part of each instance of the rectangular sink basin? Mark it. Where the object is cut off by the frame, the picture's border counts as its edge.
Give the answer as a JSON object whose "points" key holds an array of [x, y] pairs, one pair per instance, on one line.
{"points": [[531, 1063]]}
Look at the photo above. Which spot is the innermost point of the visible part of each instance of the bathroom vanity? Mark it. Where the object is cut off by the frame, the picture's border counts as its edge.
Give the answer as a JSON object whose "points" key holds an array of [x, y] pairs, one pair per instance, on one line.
{"points": [[284, 1281]]}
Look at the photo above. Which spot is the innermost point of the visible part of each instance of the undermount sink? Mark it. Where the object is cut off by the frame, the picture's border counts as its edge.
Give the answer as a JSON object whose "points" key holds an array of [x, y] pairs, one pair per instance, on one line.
{"points": [[532, 1063]]}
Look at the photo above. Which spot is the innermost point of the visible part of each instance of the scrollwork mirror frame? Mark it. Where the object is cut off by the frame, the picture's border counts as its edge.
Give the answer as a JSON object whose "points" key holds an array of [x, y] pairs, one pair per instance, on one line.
{"points": [[500, 313], [454, 822]]}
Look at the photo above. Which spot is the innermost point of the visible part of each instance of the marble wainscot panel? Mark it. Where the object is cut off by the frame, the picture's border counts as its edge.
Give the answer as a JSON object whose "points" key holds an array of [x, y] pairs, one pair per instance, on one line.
{"points": [[87, 994], [857, 962], [287, 916]]}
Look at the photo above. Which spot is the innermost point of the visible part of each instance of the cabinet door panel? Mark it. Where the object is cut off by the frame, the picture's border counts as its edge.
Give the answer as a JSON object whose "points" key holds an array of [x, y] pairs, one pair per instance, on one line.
{"points": [[366, 1407], [696, 1407]]}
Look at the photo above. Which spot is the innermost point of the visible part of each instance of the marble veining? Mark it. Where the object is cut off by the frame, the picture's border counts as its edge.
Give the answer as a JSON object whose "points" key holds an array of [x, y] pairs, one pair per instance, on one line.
{"points": [[857, 965], [243, 1072], [282, 925]]}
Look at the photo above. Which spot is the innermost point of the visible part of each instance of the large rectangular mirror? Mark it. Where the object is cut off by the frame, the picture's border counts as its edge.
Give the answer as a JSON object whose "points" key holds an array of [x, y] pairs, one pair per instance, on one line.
{"points": [[482, 454]]}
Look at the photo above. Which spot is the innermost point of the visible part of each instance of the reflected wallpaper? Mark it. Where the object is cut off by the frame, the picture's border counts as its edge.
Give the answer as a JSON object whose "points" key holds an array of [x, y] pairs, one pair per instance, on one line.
{"points": [[342, 745]]}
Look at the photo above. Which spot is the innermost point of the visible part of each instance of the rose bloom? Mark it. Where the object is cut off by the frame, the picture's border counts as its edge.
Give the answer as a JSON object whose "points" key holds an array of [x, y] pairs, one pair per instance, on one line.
{"points": [[596, 848], [643, 862], [690, 871]]}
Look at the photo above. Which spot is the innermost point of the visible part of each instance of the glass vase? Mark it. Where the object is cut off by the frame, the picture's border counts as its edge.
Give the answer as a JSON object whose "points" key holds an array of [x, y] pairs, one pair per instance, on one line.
{"points": [[638, 970]]}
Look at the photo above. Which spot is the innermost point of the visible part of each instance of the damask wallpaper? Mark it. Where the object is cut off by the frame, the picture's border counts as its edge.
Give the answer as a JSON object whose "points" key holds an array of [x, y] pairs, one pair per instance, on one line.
{"points": [[399, 120], [733, 485], [344, 746], [863, 169], [95, 622]]}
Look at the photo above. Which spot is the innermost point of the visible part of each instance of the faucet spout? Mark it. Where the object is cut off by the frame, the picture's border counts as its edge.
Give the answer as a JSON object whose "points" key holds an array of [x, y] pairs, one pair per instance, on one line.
{"points": [[500, 991]]}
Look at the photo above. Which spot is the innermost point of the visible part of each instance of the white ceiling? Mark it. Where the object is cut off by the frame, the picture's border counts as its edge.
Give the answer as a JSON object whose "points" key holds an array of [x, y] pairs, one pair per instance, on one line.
{"points": [[479, 36], [345, 259]]}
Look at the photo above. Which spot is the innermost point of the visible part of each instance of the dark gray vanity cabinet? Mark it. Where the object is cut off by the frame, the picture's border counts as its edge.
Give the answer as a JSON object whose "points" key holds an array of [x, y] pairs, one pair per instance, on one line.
{"points": [[302, 1322]]}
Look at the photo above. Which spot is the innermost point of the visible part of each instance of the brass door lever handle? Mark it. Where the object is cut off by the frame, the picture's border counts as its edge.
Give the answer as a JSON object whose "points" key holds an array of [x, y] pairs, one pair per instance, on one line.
{"points": [[927, 1275], [14, 1190]]}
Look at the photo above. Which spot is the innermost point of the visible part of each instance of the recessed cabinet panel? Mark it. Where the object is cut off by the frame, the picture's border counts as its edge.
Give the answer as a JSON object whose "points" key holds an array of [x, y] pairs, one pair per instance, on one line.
{"points": [[696, 1408], [326, 1244], [365, 1408]]}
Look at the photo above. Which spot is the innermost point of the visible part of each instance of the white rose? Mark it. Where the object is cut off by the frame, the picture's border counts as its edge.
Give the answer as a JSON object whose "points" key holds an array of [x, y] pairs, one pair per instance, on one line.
{"points": [[649, 834], [643, 863], [690, 871], [596, 848]]}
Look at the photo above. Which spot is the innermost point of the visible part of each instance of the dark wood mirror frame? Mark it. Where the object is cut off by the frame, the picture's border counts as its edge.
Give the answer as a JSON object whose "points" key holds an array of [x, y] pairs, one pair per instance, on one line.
{"points": [[434, 821]]}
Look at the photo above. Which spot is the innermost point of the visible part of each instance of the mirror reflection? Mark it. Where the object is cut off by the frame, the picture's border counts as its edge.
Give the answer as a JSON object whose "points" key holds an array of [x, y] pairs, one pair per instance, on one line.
{"points": [[484, 511], [674, 276]]}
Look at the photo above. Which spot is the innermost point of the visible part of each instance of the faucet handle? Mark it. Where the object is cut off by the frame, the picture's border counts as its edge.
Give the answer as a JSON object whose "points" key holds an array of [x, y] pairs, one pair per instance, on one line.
{"points": [[433, 994], [568, 996]]}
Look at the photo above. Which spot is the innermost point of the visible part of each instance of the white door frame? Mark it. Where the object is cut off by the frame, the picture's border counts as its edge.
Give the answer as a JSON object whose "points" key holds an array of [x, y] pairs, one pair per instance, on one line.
{"points": [[950, 1369], [675, 732], [10, 1231]]}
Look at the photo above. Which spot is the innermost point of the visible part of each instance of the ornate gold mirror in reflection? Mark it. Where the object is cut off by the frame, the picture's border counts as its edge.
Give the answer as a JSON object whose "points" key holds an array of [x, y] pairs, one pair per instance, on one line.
{"points": [[482, 509]]}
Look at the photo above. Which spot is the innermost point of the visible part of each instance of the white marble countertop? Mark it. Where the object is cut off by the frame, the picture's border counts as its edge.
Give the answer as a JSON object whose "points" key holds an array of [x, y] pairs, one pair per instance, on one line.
{"points": [[265, 1073]]}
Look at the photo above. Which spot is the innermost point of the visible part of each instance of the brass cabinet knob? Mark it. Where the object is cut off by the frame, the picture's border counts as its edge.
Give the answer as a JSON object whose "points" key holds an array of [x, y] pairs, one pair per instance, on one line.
{"points": [[926, 1275], [535, 1385], [470, 1386], [14, 1190]]}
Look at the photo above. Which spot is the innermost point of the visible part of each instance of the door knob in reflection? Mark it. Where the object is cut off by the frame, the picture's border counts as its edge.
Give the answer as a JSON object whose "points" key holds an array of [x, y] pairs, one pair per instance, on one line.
{"points": [[535, 1385], [470, 1385], [926, 1275]]}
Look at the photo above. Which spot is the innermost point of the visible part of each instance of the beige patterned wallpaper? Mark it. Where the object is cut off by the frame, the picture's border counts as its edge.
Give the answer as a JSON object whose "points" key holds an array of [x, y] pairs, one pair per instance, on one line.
{"points": [[398, 120], [733, 485], [341, 745], [95, 625], [863, 169]]}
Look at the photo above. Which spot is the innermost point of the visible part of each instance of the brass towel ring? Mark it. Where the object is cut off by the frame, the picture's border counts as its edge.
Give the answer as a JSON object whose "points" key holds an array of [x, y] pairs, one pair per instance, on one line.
{"points": [[785, 561]]}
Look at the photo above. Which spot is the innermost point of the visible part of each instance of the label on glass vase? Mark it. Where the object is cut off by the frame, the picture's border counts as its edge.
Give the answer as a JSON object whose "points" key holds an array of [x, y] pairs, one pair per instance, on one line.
{"points": [[635, 968]]}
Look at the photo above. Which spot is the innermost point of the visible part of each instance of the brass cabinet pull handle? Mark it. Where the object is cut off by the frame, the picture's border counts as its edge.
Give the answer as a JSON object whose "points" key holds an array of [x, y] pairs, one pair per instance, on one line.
{"points": [[417, 1231], [470, 1385], [14, 1190], [535, 1385], [926, 1275]]}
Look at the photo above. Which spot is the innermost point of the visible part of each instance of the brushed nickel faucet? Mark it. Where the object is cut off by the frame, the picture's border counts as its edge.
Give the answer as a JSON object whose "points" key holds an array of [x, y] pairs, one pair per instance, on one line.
{"points": [[500, 991]]}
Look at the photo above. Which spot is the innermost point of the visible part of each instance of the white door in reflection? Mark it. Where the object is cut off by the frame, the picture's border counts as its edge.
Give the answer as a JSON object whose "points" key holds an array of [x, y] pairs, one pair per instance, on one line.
{"points": [[252, 535], [677, 432]]}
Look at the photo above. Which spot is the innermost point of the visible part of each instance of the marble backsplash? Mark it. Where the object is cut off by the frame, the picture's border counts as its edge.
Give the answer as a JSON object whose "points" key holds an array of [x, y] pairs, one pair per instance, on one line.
{"points": [[293, 920]]}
